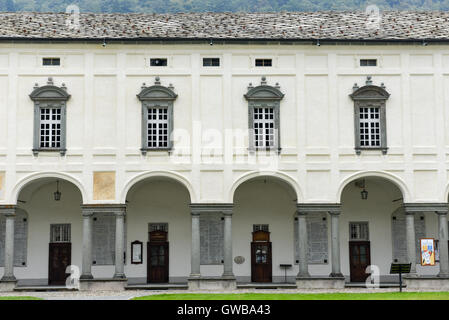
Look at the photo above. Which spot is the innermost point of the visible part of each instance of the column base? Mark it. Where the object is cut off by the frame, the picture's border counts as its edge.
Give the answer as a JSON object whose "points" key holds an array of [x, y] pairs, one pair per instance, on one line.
{"points": [[86, 277], [336, 275], [212, 283], [119, 276], [427, 282], [320, 282], [7, 285], [103, 284]]}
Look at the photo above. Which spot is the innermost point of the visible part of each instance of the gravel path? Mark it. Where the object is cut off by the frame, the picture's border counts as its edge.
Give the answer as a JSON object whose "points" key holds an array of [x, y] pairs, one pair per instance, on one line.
{"points": [[128, 294]]}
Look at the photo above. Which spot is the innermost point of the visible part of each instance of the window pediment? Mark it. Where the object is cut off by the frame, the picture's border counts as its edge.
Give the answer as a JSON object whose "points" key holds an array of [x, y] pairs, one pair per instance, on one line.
{"points": [[369, 92], [50, 92], [157, 92], [264, 92]]}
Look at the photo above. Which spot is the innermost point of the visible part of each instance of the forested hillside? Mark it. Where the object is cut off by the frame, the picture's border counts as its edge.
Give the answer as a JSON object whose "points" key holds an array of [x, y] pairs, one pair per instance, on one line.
{"points": [[168, 6]]}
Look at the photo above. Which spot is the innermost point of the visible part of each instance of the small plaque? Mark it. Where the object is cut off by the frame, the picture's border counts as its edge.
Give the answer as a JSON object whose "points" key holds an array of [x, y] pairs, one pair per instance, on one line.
{"points": [[239, 259], [136, 252]]}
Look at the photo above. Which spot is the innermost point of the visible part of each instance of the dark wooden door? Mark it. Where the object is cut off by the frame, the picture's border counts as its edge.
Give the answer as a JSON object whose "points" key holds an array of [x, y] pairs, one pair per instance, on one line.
{"points": [[157, 253], [60, 256], [261, 267], [360, 259]]}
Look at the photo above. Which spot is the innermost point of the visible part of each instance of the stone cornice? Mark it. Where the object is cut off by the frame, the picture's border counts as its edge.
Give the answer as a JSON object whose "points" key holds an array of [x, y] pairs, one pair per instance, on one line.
{"points": [[223, 208], [425, 207]]}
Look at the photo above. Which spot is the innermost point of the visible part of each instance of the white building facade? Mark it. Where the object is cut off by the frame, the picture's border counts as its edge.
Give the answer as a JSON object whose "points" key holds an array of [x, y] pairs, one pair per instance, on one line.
{"points": [[220, 162]]}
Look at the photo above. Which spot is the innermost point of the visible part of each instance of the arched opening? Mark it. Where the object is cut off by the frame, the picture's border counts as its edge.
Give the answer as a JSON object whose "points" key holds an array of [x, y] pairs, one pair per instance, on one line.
{"points": [[53, 231], [158, 218], [370, 206], [263, 230]]}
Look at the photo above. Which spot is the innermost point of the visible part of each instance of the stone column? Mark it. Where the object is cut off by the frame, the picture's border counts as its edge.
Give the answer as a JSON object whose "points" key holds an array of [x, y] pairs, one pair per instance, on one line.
{"points": [[443, 238], [87, 244], [303, 245], [119, 244], [195, 250], [335, 243], [227, 269], [10, 213], [410, 240]]}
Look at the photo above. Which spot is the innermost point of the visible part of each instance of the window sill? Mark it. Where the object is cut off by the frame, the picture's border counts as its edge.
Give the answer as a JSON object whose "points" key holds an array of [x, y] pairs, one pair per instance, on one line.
{"points": [[359, 150], [146, 150], [254, 150], [61, 151]]}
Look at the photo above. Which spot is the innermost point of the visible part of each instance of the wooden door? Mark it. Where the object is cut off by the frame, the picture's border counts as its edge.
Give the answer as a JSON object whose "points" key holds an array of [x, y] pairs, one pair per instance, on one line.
{"points": [[60, 256], [261, 267], [157, 262], [360, 259]]}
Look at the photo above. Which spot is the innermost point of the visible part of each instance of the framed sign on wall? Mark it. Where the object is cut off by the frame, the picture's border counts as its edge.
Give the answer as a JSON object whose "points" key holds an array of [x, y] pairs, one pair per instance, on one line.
{"points": [[427, 251], [136, 252]]}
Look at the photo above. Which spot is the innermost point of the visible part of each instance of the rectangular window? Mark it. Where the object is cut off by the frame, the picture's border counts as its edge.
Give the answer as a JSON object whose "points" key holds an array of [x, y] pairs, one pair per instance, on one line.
{"points": [[50, 128], [260, 227], [158, 62], [211, 62], [60, 233], [264, 131], [368, 62], [358, 231], [370, 127], [263, 62], [158, 227], [51, 61], [157, 127]]}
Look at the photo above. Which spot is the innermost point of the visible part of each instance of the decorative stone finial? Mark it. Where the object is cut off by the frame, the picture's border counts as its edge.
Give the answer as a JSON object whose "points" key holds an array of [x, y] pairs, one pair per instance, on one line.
{"points": [[157, 80], [264, 80], [382, 85], [63, 87], [368, 81], [50, 81], [170, 86], [277, 86], [250, 86], [144, 85], [36, 85], [355, 87]]}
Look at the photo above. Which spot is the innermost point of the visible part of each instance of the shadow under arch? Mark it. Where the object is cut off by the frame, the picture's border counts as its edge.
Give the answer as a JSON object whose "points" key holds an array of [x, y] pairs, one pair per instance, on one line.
{"points": [[42, 175], [158, 174], [259, 174], [380, 174]]}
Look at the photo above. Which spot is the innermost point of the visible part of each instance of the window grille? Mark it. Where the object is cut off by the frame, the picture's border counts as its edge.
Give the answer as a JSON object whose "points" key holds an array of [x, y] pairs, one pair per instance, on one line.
{"points": [[158, 227], [370, 127], [211, 62], [51, 61], [263, 62], [158, 62], [157, 126], [60, 233], [260, 227], [50, 128], [358, 231], [264, 130], [368, 62]]}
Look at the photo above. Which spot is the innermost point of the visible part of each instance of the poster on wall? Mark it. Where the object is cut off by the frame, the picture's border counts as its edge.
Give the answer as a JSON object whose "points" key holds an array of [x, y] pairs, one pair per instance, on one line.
{"points": [[427, 251]]}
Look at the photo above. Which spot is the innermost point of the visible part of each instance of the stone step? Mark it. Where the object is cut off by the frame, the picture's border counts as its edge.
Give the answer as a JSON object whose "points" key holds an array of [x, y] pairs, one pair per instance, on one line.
{"points": [[156, 286]]}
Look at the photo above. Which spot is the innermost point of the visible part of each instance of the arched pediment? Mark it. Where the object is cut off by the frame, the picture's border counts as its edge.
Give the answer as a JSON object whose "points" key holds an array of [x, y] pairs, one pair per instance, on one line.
{"points": [[50, 92], [263, 92], [369, 92], [157, 92]]}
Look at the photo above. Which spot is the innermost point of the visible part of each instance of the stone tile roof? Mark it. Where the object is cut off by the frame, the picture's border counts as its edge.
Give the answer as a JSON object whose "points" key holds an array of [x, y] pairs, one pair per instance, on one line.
{"points": [[333, 25]]}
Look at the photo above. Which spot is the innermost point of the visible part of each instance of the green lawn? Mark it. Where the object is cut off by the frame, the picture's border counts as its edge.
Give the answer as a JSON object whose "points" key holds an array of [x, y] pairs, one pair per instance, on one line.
{"points": [[20, 298], [302, 296]]}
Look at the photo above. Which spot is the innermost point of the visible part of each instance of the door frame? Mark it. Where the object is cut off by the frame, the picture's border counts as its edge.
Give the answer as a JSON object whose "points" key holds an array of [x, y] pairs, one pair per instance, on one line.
{"points": [[261, 237], [51, 272], [362, 242], [158, 238]]}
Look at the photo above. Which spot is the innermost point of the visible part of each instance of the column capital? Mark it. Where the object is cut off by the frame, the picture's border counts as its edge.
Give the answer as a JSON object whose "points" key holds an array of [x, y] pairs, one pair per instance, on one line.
{"points": [[411, 208], [220, 208], [90, 209], [8, 210], [331, 208]]}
